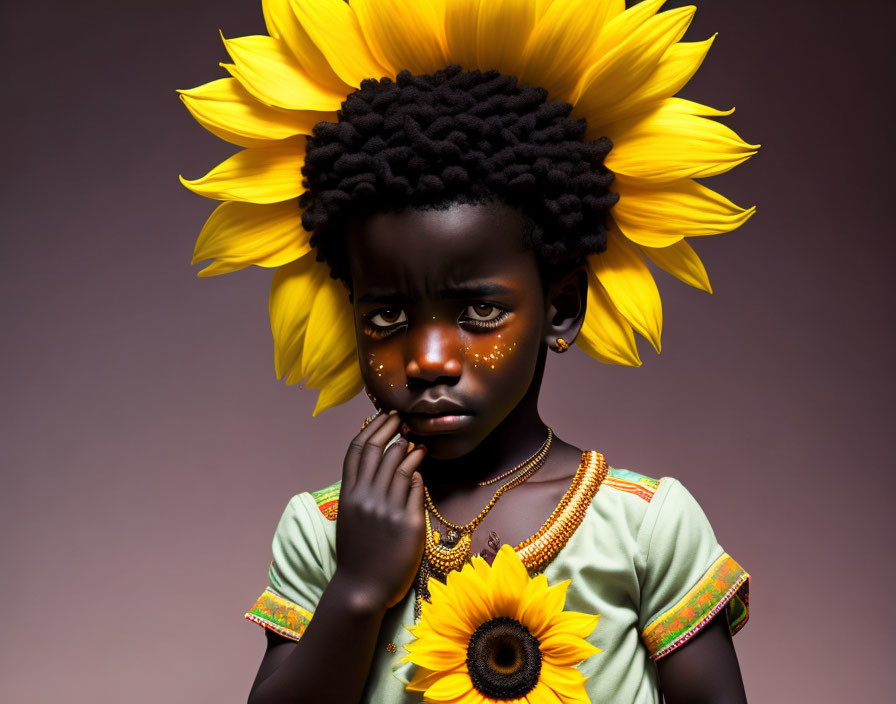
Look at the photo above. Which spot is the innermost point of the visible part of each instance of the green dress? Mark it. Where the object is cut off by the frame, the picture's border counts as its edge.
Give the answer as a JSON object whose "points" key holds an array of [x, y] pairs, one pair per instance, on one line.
{"points": [[644, 557]]}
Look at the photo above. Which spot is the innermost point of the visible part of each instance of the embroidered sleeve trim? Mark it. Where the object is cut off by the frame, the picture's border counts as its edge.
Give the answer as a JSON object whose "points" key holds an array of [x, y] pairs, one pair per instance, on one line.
{"points": [[327, 500], [632, 483], [724, 584], [279, 615]]}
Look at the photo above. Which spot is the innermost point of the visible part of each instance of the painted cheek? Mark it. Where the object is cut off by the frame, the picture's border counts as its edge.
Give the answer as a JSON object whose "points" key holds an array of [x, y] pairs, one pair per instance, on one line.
{"points": [[489, 355], [380, 369]]}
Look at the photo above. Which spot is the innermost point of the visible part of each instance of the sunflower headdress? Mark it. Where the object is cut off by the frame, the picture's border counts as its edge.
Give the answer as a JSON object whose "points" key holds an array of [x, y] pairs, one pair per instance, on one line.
{"points": [[619, 69]]}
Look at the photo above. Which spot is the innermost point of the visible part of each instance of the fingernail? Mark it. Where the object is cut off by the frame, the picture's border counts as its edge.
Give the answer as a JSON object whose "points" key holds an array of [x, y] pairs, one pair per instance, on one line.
{"points": [[392, 412], [411, 445]]}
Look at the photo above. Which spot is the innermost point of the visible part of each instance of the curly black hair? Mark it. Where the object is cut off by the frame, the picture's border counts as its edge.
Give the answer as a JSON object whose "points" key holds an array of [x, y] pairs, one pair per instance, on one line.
{"points": [[456, 136]]}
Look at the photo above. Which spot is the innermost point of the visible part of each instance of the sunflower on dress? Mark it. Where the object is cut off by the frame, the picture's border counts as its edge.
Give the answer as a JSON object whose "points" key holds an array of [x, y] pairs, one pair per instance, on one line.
{"points": [[492, 633]]}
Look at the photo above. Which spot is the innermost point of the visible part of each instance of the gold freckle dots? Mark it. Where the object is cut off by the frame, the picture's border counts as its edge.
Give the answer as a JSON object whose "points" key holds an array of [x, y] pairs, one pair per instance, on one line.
{"points": [[492, 356]]}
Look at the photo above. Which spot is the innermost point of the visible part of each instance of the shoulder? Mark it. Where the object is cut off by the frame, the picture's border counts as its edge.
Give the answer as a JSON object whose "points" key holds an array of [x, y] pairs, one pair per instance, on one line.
{"points": [[327, 499], [639, 501], [632, 483]]}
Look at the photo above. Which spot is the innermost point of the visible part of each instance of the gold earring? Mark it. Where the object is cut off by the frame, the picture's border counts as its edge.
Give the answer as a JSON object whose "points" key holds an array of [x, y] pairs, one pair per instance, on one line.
{"points": [[562, 345]]}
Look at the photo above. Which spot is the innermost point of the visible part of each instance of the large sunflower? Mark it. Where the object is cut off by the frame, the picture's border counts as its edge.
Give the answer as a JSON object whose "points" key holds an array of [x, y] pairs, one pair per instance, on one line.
{"points": [[618, 68], [494, 633]]}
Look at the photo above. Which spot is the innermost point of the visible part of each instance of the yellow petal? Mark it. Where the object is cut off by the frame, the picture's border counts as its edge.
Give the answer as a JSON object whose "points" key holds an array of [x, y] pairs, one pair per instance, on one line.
{"points": [[534, 590], [621, 23], [565, 650], [404, 34], [229, 111], [507, 580], [542, 694], [674, 70], [341, 386], [239, 234], [266, 175], [560, 42], [567, 682], [423, 679], [292, 293], [504, 27], [619, 73], [449, 688], [630, 285], [682, 262], [573, 622], [333, 27], [459, 616], [267, 69], [329, 337], [674, 142], [656, 217], [282, 23], [470, 597], [461, 20], [436, 653], [606, 335], [536, 614]]}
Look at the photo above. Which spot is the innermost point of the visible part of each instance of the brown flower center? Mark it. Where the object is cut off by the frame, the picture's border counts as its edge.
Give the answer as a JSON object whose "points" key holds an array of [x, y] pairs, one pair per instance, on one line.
{"points": [[503, 659]]}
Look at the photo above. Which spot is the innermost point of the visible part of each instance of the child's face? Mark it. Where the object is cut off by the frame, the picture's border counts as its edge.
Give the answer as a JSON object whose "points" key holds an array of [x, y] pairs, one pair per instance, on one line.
{"points": [[450, 319]]}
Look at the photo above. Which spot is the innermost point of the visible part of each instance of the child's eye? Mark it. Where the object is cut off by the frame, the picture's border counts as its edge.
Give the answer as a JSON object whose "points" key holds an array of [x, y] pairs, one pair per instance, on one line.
{"points": [[387, 317], [484, 315], [483, 311]]}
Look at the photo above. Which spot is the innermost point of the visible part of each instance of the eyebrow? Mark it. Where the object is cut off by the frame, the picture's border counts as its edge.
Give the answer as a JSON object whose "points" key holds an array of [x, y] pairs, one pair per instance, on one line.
{"points": [[468, 290]]}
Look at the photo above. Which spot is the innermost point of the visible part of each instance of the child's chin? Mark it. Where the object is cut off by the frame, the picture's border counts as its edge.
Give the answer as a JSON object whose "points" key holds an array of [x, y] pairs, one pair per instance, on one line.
{"points": [[448, 446]]}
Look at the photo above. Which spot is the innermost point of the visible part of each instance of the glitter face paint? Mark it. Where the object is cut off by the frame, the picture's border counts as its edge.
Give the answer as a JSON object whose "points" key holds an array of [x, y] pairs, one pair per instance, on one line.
{"points": [[449, 319]]}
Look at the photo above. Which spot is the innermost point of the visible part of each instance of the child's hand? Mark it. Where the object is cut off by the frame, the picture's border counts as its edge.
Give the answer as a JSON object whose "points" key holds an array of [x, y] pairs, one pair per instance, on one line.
{"points": [[379, 531]]}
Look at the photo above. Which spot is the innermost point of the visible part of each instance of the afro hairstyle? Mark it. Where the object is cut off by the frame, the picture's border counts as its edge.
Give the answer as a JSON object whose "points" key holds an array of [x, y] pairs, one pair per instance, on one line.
{"points": [[456, 136]]}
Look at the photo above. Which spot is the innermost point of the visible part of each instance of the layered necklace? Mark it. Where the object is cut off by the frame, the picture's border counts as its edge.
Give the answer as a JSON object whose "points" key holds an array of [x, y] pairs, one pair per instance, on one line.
{"points": [[443, 554]]}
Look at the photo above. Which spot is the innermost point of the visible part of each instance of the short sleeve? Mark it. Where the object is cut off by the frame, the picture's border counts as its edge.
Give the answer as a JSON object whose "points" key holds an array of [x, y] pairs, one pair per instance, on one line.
{"points": [[688, 578], [301, 568]]}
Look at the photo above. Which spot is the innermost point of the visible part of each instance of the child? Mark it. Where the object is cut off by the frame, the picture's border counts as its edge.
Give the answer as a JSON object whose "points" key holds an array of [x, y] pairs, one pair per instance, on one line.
{"points": [[462, 223]]}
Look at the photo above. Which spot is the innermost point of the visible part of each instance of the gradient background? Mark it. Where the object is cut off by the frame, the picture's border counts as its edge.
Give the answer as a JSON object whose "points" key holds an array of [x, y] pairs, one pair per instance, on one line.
{"points": [[148, 451]]}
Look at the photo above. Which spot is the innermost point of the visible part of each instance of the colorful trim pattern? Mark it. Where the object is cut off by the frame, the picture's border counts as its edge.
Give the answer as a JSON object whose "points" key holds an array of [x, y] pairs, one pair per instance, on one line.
{"points": [[279, 615], [725, 583], [327, 499], [632, 483]]}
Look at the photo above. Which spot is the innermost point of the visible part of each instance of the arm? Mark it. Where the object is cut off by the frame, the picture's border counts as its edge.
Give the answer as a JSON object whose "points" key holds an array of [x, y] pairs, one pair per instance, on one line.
{"points": [[705, 670], [380, 504], [331, 660]]}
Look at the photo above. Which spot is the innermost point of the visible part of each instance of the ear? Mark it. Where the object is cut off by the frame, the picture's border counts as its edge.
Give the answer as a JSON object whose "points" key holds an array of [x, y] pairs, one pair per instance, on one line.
{"points": [[565, 302]]}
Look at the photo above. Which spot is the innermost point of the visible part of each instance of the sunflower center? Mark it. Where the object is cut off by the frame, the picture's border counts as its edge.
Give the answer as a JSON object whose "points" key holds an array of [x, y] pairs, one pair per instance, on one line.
{"points": [[503, 659]]}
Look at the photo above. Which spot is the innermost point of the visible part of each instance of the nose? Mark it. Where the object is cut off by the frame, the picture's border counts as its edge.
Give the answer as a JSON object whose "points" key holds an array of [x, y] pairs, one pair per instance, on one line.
{"points": [[433, 353]]}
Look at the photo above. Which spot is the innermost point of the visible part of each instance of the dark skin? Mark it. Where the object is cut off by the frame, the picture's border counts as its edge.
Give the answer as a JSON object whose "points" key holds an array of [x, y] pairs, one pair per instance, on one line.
{"points": [[450, 309]]}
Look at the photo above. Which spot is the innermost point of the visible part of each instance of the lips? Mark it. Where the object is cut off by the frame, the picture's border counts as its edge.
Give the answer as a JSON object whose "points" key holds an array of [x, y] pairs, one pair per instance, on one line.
{"points": [[437, 407], [436, 416]]}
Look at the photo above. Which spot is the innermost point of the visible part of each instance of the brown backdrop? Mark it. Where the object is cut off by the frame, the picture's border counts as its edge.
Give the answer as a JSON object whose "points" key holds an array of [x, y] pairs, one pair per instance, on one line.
{"points": [[147, 450]]}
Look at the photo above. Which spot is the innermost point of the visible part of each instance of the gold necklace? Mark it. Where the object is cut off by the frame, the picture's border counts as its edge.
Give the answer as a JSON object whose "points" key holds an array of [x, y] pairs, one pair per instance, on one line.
{"points": [[545, 448], [528, 468], [446, 558], [538, 550]]}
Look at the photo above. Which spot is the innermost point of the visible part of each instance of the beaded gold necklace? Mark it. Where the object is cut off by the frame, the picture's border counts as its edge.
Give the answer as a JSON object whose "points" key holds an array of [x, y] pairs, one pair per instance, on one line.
{"points": [[537, 551]]}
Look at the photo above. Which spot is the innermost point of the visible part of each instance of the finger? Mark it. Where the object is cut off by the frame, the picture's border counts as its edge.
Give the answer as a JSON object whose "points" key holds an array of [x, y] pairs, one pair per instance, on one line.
{"points": [[353, 454], [402, 477], [415, 495], [372, 453], [393, 455]]}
